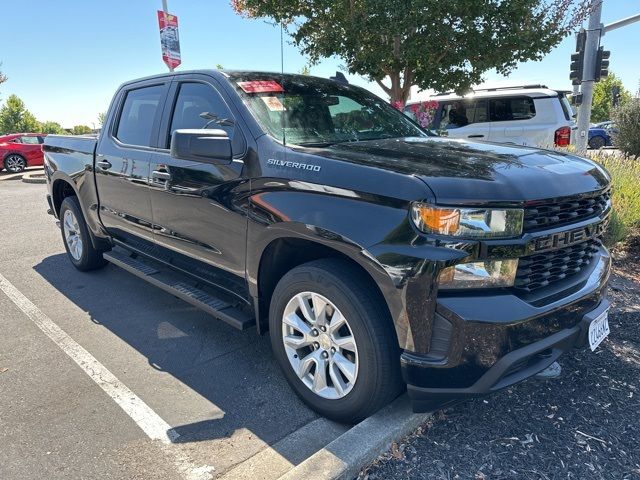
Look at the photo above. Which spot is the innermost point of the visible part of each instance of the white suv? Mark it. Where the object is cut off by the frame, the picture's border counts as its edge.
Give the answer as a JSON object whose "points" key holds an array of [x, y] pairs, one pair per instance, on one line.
{"points": [[526, 115]]}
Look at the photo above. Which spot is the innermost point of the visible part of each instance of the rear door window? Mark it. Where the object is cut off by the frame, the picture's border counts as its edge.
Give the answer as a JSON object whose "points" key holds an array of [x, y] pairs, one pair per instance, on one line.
{"points": [[511, 108], [461, 113], [139, 113]]}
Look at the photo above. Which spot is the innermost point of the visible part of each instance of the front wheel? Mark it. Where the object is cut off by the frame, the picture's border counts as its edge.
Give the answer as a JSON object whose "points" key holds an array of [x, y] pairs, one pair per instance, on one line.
{"points": [[75, 235], [334, 340], [15, 163]]}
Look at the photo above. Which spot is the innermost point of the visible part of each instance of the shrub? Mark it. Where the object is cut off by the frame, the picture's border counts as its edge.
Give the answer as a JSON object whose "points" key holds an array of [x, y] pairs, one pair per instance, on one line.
{"points": [[627, 119], [625, 176]]}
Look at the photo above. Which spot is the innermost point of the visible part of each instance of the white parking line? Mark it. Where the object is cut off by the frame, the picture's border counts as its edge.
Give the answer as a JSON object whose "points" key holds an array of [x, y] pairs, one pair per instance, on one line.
{"points": [[148, 420]]}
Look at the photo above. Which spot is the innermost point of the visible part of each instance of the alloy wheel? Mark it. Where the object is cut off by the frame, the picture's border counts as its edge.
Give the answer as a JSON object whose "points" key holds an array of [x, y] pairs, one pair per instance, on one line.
{"points": [[72, 235], [14, 163], [320, 345]]}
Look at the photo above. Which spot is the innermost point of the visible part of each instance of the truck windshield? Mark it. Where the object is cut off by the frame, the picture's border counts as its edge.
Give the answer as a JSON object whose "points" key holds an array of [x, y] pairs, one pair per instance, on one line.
{"points": [[314, 112]]}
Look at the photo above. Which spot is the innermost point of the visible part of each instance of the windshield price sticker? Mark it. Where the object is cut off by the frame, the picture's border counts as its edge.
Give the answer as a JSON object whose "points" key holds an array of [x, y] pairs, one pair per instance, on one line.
{"points": [[261, 86]]}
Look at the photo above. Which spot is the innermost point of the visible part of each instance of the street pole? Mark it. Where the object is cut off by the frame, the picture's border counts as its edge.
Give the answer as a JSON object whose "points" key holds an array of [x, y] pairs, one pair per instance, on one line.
{"points": [[165, 9], [588, 73]]}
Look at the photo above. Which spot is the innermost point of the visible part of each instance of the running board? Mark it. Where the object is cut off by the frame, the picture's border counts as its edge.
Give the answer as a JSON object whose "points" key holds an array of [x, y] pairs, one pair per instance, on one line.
{"points": [[175, 284]]}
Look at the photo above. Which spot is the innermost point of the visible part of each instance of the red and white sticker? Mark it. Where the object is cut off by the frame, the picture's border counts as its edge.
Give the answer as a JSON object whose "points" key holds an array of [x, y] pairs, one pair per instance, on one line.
{"points": [[273, 103], [261, 86]]}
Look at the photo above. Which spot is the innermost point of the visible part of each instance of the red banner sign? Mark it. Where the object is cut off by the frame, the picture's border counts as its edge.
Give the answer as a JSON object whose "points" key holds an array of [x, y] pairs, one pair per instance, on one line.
{"points": [[169, 39]]}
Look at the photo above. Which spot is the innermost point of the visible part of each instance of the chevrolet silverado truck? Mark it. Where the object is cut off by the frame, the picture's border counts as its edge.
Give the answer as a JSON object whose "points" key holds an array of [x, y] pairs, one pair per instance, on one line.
{"points": [[378, 257]]}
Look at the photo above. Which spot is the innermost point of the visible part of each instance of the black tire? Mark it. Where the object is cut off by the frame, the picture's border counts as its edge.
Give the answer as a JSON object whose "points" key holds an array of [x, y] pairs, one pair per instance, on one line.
{"points": [[597, 142], [378, 378], [15, 167], [90, 259]]}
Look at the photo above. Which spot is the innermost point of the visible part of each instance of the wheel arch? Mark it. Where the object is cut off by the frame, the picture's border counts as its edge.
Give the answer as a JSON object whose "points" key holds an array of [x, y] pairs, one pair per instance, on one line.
{"points": [[61, 188], [286, 252]]}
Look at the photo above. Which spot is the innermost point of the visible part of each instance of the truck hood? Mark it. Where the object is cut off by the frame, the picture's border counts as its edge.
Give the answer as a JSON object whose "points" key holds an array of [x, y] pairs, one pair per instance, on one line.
{"points": [[461, 172]]}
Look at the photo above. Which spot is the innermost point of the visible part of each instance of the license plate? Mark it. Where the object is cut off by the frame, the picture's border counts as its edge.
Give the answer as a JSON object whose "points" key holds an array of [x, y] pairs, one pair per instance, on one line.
{"points": [[598, 330]]}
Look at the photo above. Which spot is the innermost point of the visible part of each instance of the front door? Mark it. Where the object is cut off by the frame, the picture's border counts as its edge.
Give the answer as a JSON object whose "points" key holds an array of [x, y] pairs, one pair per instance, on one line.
{"points": [[198, 212], [122, 163]]}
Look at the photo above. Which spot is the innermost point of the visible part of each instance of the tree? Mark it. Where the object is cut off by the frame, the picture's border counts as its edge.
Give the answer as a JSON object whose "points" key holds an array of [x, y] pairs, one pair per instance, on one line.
{"points": [[102, 116], [53, 128], [80, 130], [603, 97], [439, 44], [15, 118], [627, 137]]}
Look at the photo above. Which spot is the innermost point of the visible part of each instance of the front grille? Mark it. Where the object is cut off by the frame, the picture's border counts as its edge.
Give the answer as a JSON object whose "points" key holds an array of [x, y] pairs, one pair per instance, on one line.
{"points": [[543, 269], [564, 211]]}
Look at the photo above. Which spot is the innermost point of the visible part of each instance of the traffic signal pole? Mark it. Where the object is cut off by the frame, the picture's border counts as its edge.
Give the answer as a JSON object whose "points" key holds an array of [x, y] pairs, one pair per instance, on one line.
{"points": [[588, 76]]}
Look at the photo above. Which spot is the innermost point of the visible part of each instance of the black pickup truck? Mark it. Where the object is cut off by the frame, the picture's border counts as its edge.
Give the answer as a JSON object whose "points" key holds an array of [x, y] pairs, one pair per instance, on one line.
{"points": [[374, 253]]}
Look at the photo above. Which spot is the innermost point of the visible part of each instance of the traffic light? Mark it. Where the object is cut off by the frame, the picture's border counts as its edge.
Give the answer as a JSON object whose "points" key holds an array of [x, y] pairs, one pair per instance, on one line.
{"points": [[602, 64], [577, 59], [615, 95]]}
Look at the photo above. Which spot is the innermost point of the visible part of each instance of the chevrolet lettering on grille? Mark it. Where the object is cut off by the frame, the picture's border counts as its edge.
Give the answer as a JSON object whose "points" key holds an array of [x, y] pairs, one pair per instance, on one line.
{"points": [[570, 237]]}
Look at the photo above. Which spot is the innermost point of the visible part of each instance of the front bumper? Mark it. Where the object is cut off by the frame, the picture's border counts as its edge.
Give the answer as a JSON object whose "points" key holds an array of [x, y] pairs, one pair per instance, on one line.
{"points": [[481, 344]]}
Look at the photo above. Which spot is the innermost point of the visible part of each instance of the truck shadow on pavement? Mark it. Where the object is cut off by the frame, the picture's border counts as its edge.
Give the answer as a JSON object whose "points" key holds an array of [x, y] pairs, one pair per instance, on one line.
{"points": [[233, 370]]}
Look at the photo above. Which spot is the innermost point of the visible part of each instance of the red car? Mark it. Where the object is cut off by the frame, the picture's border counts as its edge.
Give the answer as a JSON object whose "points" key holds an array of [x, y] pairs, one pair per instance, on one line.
{"points": [[21, 150]]}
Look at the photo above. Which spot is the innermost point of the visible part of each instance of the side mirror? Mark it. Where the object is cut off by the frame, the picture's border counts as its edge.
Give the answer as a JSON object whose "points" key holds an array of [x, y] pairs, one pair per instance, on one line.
{"points": [[205, 145]]}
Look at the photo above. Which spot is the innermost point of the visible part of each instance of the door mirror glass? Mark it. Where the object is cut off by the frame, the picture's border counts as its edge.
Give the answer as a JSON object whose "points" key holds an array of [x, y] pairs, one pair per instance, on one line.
{"points": [[201, 145]]}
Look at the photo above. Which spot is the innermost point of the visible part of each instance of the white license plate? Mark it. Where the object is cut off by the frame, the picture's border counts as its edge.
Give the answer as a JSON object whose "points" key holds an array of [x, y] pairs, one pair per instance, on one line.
{"points": [[598, 330]]}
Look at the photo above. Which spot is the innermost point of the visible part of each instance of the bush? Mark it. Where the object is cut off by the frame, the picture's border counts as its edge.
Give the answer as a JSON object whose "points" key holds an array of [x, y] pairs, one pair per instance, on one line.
{"points": [[625, 177], [627, 119]]}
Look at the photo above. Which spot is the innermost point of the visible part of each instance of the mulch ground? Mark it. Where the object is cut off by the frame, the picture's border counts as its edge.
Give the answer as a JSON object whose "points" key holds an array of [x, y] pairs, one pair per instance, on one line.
{"points": [[583, 425]]}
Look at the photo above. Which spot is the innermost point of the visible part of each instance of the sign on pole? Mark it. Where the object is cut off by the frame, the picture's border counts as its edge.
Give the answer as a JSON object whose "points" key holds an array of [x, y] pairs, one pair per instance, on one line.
{"points": [[169, 40]]}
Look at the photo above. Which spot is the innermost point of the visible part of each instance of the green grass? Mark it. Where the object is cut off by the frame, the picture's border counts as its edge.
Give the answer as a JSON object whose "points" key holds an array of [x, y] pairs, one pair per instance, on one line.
{"points": [[625, 177]]}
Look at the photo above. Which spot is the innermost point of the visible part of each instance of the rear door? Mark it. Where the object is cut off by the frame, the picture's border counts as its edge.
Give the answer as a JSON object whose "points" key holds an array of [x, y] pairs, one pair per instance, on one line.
{"points": [[467, 119], [122, 162], [198, 217], [512, 120], [30, 147]]}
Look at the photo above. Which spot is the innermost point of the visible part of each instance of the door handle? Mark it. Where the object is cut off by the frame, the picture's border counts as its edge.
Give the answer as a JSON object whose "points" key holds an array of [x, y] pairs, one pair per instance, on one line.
{"points": [[475, 136], [104, 164], [157, 175]]}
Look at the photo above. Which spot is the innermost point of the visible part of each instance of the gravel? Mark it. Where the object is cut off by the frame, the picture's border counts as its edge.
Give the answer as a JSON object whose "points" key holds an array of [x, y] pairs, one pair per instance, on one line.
{"points": [[583, 425]]}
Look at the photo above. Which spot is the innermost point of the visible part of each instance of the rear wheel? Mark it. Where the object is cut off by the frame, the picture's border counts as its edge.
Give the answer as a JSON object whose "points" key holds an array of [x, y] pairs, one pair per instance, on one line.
{"points": [[334, 340], [15, 163], [597, 142], [75, 235]]}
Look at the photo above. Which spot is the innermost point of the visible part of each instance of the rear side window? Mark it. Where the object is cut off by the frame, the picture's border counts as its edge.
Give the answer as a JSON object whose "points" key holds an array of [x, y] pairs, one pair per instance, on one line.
{"points": [[30, 140], [138, 114], [511, 108], [461, 113]]}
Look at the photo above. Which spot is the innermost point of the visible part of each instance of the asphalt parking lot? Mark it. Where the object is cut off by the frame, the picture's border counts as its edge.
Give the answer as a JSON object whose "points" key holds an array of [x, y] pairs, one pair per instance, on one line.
{"points": [[217, 389]]}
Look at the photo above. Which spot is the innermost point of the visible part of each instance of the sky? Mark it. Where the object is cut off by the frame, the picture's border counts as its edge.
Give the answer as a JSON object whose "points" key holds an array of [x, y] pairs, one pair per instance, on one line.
{"points": [[66, 58]]}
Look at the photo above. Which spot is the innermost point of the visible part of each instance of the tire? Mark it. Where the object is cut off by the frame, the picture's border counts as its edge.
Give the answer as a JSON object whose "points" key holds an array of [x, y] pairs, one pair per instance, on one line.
{"points": [[597, 142], [76, 237], [368, 326], [14, 163]]}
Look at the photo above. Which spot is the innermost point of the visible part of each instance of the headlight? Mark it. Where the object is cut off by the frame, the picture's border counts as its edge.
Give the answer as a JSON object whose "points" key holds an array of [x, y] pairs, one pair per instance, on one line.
{"points": [[468, 222], [493, 273]]}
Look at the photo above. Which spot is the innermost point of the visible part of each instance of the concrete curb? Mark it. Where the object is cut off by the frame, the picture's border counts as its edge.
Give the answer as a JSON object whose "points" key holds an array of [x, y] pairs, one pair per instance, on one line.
{"points": [[34, 177], [343, 458]]}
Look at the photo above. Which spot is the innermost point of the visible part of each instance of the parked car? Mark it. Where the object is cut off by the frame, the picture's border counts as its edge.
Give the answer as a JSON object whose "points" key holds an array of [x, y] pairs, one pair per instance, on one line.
{"points": [[525, 115], [21, 150], [601, 135], [375, 254]]}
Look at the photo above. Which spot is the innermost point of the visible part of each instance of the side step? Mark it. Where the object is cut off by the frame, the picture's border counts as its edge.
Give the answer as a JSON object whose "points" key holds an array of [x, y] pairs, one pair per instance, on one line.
{"points": [[174, 283]]}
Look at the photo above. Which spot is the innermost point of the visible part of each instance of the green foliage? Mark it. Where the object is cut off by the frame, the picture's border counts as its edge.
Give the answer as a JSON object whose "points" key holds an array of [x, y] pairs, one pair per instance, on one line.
{"points": [[439, 44], [53, 128], [627, 120], [15, 118], [102, 116], [603, 98], [625, 173], [81, 130]]}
